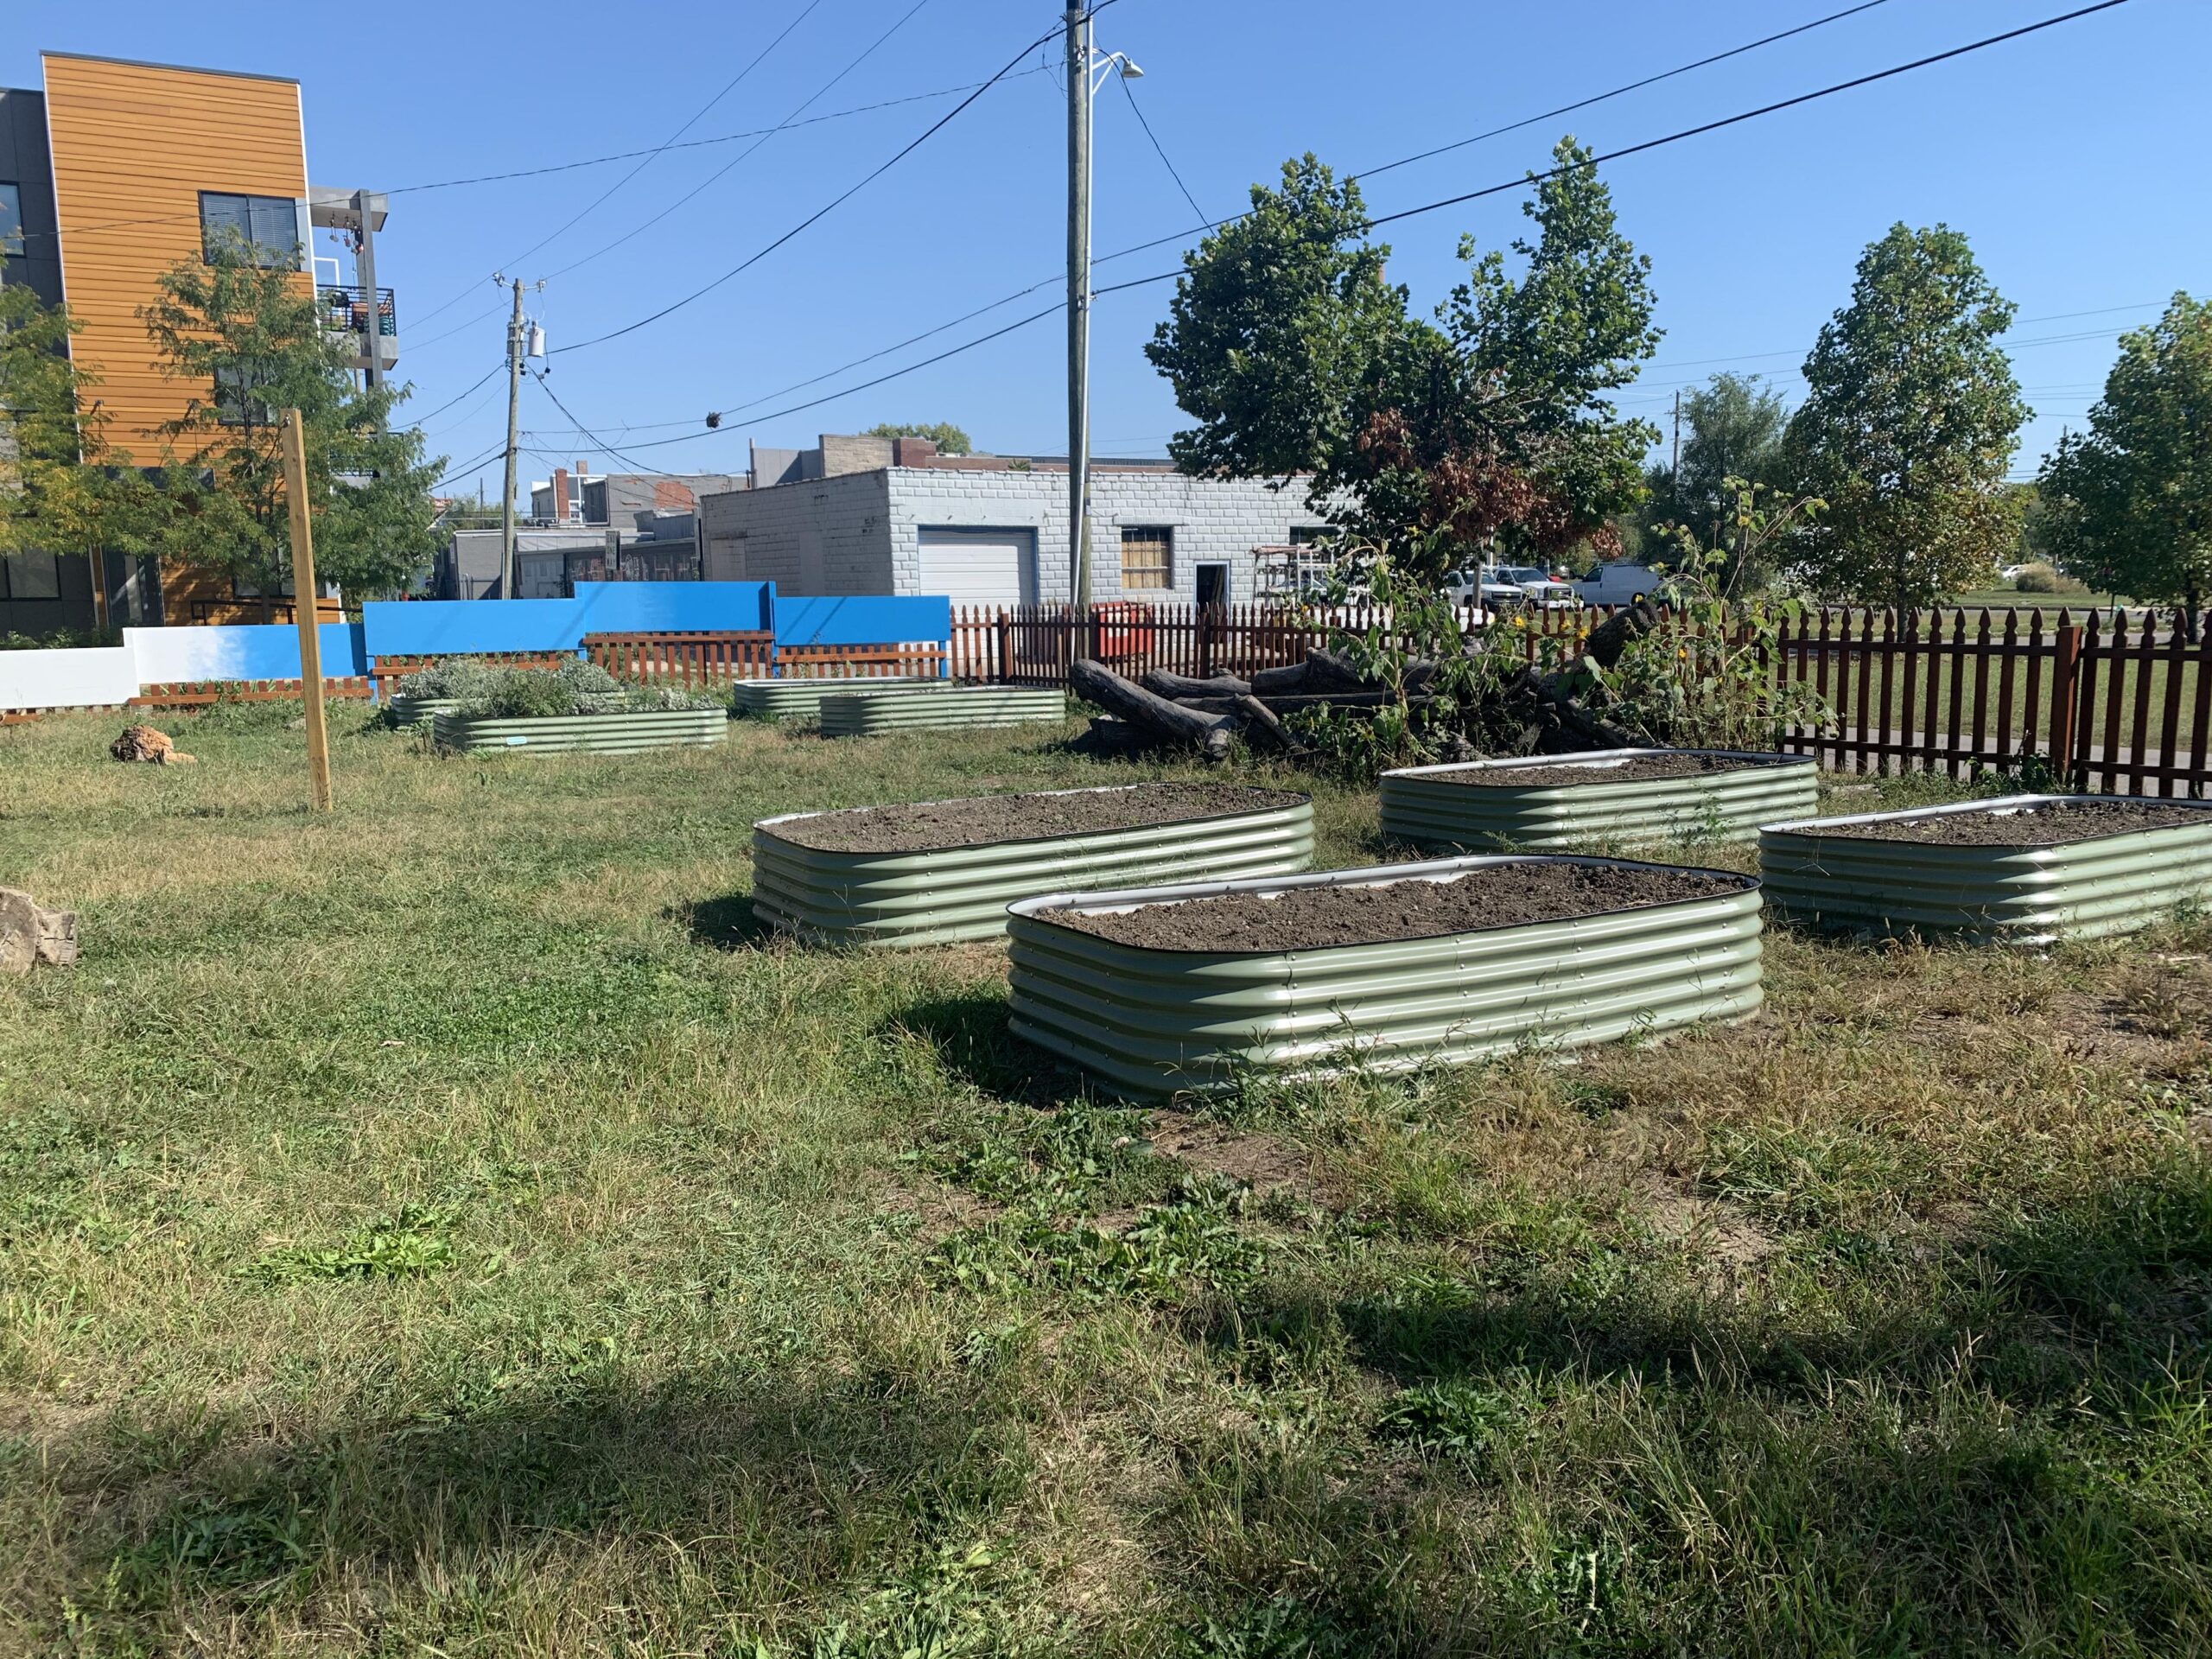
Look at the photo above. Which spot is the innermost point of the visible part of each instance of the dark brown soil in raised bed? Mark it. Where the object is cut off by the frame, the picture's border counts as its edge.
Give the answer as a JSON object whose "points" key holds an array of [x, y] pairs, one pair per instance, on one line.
{"points": [[2055, 825], [1311, 918], [1643, 769], [933, 826]]}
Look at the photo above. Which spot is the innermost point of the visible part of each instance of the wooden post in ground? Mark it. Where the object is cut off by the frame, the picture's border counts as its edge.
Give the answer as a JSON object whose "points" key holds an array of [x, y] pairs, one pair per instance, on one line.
{"points": [[2066, 689], [304, 609]]}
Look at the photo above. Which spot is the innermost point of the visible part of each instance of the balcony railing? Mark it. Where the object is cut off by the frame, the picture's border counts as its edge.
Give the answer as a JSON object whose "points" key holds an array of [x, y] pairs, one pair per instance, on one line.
{"points": [[346, 309]]}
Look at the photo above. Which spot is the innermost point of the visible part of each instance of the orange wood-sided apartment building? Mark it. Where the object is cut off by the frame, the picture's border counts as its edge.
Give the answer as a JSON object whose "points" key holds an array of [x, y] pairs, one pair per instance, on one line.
{"points": [[113, 174]]}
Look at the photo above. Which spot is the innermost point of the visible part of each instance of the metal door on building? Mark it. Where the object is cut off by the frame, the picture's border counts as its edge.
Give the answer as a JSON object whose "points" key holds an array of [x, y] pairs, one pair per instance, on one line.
{"points": [[979, 566]]}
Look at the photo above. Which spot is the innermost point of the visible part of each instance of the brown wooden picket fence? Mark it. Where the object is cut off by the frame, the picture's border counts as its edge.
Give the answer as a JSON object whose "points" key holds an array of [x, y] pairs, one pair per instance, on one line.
{"points": [[203, 694], [2114, 700], [690, 659], [859, 662], [387, 671]]}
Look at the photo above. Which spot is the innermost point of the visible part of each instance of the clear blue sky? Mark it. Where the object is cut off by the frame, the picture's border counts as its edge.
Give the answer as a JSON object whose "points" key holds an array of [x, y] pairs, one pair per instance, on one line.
{"points": [[2073, 159]]}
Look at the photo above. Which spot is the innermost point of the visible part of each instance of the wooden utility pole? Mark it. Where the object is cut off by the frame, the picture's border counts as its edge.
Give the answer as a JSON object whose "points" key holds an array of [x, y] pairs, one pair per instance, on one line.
{"points": [[1675, 472], [304, 608], [510, 578], [1078, 21]]}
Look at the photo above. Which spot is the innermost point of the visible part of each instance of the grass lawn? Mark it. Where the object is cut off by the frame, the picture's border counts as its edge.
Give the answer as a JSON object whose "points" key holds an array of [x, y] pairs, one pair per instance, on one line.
{"points": [[449, 1228]]}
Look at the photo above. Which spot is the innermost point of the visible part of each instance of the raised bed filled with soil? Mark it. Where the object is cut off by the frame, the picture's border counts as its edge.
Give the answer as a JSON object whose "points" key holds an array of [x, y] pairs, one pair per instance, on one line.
{"points": [[2026, 869], [599, 734], [1618, 797], [412, 711], [859, 714], [936, 872], [781, 699], [1163, 990]]}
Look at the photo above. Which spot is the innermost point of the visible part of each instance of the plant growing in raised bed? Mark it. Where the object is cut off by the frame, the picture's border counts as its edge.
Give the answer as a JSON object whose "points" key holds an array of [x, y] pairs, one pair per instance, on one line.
{"points": [[578, 706]]}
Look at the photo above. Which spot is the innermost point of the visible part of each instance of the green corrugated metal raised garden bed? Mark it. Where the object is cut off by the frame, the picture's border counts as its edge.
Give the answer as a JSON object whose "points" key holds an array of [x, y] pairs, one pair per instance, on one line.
{"points": [[917, 895], [780, 699], [1619, 797], [409, 711], [859, 714], [2018, 882], [599, 734], [1153, 1021]]}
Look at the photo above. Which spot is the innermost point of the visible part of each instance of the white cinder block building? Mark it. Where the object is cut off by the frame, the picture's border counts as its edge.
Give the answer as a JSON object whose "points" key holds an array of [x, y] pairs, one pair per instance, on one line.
{"points": [[983, 531]]}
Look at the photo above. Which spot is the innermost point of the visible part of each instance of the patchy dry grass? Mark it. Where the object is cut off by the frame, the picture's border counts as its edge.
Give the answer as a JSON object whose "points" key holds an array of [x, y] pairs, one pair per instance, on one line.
{"points": [[452, 1226]]}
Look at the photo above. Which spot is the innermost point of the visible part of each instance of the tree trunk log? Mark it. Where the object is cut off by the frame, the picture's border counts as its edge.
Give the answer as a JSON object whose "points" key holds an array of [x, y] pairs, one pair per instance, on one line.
{"points": [[1097, 683], [1162, 684], [1260, 723]]}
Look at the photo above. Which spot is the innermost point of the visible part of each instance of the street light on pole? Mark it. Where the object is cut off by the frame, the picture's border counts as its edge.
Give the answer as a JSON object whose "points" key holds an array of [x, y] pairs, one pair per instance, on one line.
{"points": [[1087, 71]]}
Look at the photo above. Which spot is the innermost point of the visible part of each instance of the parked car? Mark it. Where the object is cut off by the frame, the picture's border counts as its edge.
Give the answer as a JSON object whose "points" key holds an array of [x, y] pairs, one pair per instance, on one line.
{"points": [[1619, 583], [1543, 589]]}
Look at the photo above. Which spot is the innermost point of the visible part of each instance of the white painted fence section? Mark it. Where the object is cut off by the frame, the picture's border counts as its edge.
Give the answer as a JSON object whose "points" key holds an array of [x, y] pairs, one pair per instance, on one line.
{"points": [[83, 678]]}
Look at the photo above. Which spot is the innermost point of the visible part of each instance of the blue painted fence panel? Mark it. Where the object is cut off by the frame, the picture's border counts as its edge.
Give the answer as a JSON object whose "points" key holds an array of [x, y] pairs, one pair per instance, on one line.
{"points": [[868, 619], [250, 652], [440, 627], [691, 607]]}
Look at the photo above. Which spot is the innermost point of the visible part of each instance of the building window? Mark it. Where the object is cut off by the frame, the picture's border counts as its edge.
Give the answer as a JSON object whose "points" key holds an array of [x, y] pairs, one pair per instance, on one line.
{"points": [[236, 403], [11, 219], [30, 576], [1148, 559], [265, 228]]}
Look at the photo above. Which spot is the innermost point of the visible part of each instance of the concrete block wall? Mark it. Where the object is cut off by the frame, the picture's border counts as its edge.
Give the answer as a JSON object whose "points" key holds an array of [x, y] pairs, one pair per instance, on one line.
{"points": [[823, 536], [1211, 522]]}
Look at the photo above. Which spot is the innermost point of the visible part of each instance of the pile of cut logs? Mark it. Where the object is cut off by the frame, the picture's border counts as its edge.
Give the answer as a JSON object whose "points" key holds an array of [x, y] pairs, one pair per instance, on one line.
{"points": [[1538, 711]]}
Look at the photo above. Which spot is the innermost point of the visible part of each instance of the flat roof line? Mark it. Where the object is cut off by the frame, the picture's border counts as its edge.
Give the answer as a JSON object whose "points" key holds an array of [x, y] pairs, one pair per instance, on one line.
{"points": [[181, 68]]}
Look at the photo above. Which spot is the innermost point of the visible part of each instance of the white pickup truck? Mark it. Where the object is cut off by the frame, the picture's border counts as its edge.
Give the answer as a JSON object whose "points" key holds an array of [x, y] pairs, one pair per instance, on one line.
{"points": [[1510, 588]]}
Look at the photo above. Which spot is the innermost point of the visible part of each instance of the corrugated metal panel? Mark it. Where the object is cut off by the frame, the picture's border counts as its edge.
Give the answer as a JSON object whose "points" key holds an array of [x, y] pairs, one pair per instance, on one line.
{"points": [[1155, 1022], [781, 699], [1993, 895], [601, 733], [409, 711], [859, 714], [134, 144], [962, 893], [1422, 806]]}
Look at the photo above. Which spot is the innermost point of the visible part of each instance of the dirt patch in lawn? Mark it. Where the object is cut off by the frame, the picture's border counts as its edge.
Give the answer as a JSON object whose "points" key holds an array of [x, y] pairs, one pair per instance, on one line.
{"points": [[2056, 824], [935, 826], [1260, 1161], [1308, 919], [1644, 768]]}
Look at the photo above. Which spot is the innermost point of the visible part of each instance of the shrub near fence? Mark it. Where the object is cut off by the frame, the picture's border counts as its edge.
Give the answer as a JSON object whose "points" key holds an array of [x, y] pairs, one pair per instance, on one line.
{"points": [[2120, 702]]}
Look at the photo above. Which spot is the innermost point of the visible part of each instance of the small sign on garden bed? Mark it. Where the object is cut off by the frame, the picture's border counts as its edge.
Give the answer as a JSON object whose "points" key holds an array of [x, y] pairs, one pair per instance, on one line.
{"points": [[1163, 990], [1620, 797], [934, 872], [2025, 869]]}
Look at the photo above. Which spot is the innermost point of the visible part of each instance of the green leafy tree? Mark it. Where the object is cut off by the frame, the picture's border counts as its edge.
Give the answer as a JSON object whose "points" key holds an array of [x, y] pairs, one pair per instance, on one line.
{"points": [[253, 340], [2127, 505], [1909, 421], [949, 438], [1732, 428], [1488, 428], [63, 488], [1281, 318]]}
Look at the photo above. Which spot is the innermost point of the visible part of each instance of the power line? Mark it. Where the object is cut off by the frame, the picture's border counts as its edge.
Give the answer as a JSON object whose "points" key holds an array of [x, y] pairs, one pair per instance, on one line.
{"points": [[1633, 85], [1448, 201], [450, 402], [546, 387], [834, 202], [866, 53], [786, 125], [1137, 110]]}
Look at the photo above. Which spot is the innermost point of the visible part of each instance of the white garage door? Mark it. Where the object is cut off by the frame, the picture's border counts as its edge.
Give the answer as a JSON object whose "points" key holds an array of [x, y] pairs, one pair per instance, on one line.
{"points": [[979, 567]]}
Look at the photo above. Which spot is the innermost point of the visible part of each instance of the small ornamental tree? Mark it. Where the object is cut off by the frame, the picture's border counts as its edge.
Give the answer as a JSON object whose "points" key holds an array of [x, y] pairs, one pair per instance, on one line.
{"points": [[251, 341], [2127, 505], [1910, 422]]}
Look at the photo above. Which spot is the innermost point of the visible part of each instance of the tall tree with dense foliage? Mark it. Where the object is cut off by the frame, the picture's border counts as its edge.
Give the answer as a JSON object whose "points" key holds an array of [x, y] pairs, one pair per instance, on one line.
{"points": [[252, 341], [2127, 505], [63, 489], [949, 439], [1488, 428], [1909, 421]]}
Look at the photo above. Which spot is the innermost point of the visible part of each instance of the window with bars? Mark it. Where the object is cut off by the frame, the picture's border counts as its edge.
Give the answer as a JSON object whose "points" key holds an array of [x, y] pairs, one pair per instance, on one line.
{"points": [[1148, 559]]}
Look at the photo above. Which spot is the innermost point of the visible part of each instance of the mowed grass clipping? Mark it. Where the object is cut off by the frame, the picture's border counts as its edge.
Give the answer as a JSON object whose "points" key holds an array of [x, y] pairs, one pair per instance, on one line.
{"points": [[452, 1226]]}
